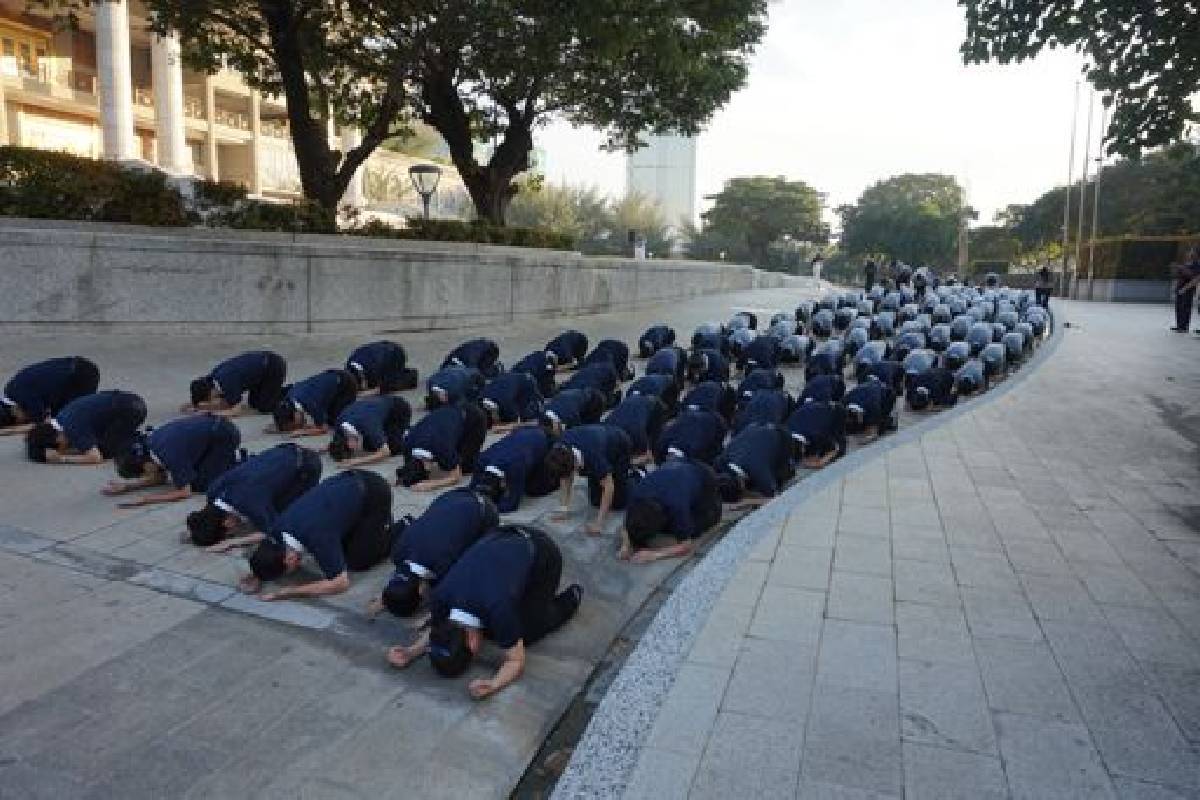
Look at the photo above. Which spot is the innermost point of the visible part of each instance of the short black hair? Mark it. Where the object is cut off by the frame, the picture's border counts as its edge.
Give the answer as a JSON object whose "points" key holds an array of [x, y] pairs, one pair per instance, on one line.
{"points": [[919, 398], [39, 439], [131, 461], [411, 472], [206, 526], [490, 485], [201, 389], [402, 594], [433, 402], [644, 520], [560, 461], [7, 417], [856, 421], [339, 446], [267, 560], [448, 651], [549, 425], [284, 415], [729, 486]]}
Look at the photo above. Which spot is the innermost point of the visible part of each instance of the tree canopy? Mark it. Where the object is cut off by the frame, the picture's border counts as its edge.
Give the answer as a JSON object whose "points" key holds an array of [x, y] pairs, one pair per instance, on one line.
{"points": [[751, 214], [1144, 56], [599, 224], [913, 218]]}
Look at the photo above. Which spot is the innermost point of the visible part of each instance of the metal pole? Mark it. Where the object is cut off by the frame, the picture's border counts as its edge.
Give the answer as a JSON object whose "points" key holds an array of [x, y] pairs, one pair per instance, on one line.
{"points": [[1096, 208], [425, 199], [1087, 155], [1066, 229]]}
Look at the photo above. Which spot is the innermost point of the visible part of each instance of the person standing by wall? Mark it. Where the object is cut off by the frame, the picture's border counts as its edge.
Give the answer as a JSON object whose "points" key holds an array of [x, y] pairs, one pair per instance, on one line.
{"points": [[1042, 287], [869, 274], [817, 263], [1187, 275]]}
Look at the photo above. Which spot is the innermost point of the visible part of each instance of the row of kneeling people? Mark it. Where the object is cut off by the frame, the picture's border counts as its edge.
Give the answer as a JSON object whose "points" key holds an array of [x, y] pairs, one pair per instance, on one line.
{"points": [[711, 441]]}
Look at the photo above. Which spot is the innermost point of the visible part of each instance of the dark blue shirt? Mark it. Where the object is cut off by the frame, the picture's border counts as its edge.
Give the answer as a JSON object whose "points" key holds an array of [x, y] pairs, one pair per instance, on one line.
{"points": [[823, 387], [601, 377], [515, 395], [437, 435], [667, 361], [655, 385], [568, 346], [763, 453], [459, 383], [259, 488], [762, 353], [612, 351], [321, 517], [605, 449], [568, 405], [189, 448], [707, 396], [765, 407], [634, 415], [889, 372], [85, 419], [434, 541], [477, 353], [714, 368], [539, 367], [489, 581], [693, 434], [756, 380], [37, 388], [657, 337], [377, 359], [516, 456], [682, 488], [821, 425], [369, 417], [875, 398], [238, 375], [316, 394]]}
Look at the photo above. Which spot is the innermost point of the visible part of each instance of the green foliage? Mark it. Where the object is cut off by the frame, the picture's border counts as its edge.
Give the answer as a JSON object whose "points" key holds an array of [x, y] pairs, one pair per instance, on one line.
{"points": [[257, 215], [45, 185], [993, 243], [450, 230], [1145, 56], [913, 218], [598, 224], [1134, 258], [750, 215], [218, 193]]}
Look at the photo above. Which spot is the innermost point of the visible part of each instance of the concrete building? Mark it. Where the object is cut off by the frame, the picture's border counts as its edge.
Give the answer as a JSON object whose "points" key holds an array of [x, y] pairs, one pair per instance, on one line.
{"points": [[665, 170], [111, 89]]}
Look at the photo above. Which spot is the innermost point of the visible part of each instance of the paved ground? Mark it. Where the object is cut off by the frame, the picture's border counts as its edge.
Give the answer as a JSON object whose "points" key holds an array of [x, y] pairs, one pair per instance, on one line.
{"points": [[131, 668], [1007, 606]]}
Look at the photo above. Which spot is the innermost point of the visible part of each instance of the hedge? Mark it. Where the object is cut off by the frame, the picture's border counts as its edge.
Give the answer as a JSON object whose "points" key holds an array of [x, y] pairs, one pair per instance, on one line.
{"points": [[41, 184], [1136, 258]]}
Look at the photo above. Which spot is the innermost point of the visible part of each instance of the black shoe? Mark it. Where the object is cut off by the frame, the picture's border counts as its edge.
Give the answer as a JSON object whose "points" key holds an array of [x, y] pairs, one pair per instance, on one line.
{"points": [[1180, 330], [575, 593]]}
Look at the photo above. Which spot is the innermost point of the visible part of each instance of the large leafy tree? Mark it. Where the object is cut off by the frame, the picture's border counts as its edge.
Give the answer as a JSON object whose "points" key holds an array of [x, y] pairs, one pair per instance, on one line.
{"points": [[750, 214], [914, 218], [1144, 55]]}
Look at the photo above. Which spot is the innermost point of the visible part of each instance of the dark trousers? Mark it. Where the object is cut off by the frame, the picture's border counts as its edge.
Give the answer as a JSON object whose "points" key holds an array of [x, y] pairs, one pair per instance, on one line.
{"points": [[1042, 297], [1183, 308], [620, 476], [474, 432], [266, 395], [308, 475], [543, 608], [85, 378], [396, 424], [221, 454], [369, 541], [870, 282], [539, 482], [122, 427]]}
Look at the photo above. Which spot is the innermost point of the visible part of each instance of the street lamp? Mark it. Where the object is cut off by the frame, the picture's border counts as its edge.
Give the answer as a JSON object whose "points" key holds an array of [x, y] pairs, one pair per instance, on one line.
{"points": [[425, 179]]}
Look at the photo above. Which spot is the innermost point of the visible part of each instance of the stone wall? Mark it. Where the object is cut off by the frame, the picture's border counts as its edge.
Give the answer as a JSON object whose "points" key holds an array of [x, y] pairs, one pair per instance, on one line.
{"points": [[124, 278], [1122, 290]]}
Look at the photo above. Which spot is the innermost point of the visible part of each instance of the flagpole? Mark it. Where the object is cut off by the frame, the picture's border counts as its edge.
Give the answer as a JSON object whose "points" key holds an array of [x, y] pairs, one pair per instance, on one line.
{"points": [[1063, 285], [1087, 155]]}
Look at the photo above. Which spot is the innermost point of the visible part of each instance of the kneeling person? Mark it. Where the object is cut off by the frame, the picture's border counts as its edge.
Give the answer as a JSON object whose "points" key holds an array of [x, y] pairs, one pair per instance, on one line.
{"points": [[190, 453], [252, 380], [43, 389], [679, 499], [381, 368], [313, 404], [88, 430], [600, 453], [514, 467], [697, 435], [871, 408], [642, 418], [448, 438], [509, 399], [370, 430], [820, 428], [757, 462]]}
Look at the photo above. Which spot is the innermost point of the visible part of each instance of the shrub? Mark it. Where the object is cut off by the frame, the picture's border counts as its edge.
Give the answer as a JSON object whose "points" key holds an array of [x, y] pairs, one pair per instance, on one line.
{"points": [[258, 215]]}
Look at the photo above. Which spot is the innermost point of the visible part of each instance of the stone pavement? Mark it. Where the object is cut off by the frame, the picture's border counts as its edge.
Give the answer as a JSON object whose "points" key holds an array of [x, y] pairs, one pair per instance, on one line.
{"points": [[131, 668], [1006, 606]]}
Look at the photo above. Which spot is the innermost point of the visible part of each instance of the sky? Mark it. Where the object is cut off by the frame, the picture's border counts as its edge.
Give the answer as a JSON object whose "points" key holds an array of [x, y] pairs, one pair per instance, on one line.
{"points": [[843, 93]]}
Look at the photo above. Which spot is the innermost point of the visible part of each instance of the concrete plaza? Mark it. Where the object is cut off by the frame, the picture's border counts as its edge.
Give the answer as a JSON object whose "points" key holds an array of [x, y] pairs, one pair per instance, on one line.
{"points": [[1004, 605]]}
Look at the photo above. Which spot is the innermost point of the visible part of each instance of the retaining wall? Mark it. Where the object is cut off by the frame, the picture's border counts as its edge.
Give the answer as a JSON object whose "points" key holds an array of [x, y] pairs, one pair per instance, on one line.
{"points": [[126, 278]]}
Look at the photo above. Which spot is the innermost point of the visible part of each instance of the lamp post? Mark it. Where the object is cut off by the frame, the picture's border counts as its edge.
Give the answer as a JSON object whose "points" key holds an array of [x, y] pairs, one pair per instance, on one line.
{"points": [[425, 179]]}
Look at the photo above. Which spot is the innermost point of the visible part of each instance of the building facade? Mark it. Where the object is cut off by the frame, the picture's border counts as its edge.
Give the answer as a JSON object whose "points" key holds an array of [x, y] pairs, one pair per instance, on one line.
{"points": [[109, 88], [665, 171]]}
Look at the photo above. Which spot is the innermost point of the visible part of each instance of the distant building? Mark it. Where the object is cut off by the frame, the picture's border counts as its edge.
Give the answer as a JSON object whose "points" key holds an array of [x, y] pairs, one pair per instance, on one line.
{"points": [[665, 171]]}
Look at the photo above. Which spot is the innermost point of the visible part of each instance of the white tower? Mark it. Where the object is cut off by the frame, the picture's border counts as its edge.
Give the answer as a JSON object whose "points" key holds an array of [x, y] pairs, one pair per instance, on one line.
{"points": [[665, 171]]}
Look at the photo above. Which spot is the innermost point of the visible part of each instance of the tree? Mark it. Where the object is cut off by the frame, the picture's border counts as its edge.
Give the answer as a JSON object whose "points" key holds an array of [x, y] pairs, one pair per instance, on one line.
{"points": [[913, 218], [750, 214], [495, 70], [1145, 56], [993, 243], [598, 224]]}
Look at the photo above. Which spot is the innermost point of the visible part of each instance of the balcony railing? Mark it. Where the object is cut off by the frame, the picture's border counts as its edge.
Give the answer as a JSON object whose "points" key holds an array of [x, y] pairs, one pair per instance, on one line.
{"points": [[79, 80]]}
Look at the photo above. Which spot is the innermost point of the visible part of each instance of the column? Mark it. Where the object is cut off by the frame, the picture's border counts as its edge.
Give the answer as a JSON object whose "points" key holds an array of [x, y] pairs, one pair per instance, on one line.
{"points": [[3, 116], [116, 81], [174, 156], [210, 116], [355, 196], [256, 178]]}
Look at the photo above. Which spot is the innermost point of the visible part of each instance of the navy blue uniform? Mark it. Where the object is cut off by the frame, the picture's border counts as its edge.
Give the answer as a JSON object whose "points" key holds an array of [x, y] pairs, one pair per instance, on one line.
{"points": [[257, 375], [762, 353], [712, 366], [513, 397], [451, 436], [573, 407], [765, 407], [377, 421], [260, 488], [642, 418], [762, 456], [687, 492], [823, 387], [756, 380], [821, 364], [602, 377], [537, 366], [697, 435], [889, 372], [428, 546], [344, 522], [605, 451], [613, 351], [668, 361], [480, 354], [709, 338], [196, 450], [508, 583], [932, 387], [712, 396], [820, 427], [654, 339], [876, 402], [569, 347], [43, 389], [970, 377], [107, 421], [664, 387], [519, 458], [459, 384], [380, 365], [323, 396]]}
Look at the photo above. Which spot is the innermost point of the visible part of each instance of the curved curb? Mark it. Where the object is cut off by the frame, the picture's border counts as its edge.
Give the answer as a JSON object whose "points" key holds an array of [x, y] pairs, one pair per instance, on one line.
{"points": [[607, 753]]}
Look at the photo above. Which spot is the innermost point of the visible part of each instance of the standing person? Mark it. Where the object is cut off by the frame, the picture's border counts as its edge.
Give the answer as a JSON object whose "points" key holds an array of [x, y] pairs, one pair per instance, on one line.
{"points": [[1042, 288], [869, 274], [1186, 277], [43, 389], [817, 263]]}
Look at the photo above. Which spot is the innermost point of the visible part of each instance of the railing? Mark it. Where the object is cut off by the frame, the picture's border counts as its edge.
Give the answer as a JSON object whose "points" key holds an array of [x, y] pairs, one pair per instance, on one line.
{"points": [[233, 119], [193, 107], [83, 81]]}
